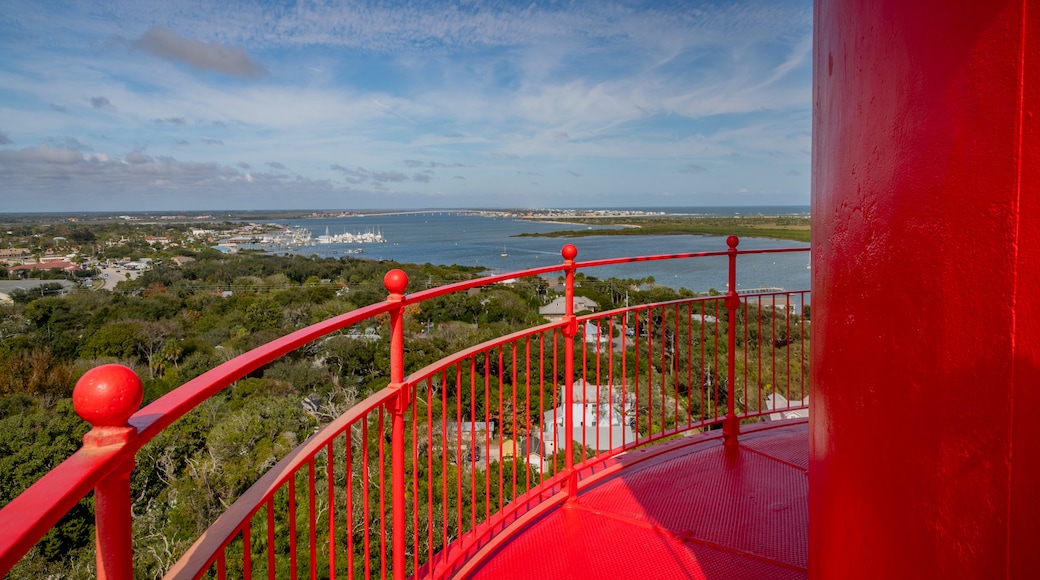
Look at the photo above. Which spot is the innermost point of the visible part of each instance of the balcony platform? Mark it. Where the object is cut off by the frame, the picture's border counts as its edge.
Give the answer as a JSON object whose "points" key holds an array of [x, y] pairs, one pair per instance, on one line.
{"points": [[687, 508]]}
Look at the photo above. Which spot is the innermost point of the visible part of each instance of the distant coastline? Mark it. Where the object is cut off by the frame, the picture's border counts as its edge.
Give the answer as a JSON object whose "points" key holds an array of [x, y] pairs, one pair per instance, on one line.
{"points": [[776, 222], [569, 223], [493, 241]]}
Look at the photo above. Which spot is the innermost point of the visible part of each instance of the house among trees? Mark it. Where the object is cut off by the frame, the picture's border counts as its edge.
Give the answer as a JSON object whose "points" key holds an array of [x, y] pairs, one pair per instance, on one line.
{"points": [[470, 440], [55, 265], [783, 303], [596, 333], [600, 418], [556, 309], [13, 253], [470, 431], [776, 402], [528, 450]]}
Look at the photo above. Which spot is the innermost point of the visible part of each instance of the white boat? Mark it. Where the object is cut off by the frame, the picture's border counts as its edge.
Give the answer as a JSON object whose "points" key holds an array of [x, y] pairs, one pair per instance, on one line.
{"points": [[349, 238]]}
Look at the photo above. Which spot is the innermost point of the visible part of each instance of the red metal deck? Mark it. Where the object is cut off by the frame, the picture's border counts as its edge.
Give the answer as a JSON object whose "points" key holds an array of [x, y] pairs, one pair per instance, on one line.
{"points": [[689, 508]]}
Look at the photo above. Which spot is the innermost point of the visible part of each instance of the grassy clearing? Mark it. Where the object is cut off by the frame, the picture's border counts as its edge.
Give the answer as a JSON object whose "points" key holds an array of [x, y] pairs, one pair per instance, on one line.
{"points": [[781, 228]]}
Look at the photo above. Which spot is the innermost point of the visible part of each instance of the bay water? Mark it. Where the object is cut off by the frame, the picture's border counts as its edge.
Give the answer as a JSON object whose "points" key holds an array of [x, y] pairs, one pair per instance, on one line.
{"points": [[492, 242]]}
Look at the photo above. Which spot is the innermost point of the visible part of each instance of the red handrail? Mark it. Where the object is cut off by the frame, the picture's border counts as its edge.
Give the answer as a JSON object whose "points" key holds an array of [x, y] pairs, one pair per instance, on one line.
{"points": [[204, 551], [356, 439]]}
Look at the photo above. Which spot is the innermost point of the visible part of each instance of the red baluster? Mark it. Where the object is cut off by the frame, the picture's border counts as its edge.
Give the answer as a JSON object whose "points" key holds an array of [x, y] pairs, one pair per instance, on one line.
{"points": [[395, 282], [731, 428], [570, 329], [106, 397]]}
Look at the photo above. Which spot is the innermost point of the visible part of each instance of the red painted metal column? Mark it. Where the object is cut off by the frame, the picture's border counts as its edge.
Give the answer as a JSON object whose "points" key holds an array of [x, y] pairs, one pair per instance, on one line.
{"points": [[731, 427], [396, 282], [570, 330], [924, 449], [106, 397]]}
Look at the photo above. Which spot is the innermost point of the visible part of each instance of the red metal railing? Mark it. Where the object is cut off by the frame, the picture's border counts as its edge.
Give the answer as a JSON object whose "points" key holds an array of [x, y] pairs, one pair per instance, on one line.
{"points": [[484, 438]]}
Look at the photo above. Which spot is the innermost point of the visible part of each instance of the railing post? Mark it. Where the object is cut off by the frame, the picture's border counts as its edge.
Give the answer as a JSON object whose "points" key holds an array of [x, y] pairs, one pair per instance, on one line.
{"points": [[731, 427], [396, 282], [570, 330], [106, 397]]}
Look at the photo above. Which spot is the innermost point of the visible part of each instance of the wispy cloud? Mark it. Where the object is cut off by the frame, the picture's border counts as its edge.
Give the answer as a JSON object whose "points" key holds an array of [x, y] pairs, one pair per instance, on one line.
{"points": [[100, 103], [136, 158], [42, 155], [389, 176], [74, 177], [68, 142], [228, 60], [375, 178], [175, 121], [631, 96]]}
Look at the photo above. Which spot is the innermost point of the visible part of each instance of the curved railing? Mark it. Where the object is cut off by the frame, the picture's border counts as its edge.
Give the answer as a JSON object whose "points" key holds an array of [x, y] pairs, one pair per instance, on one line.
{"points": [[479, 440]]}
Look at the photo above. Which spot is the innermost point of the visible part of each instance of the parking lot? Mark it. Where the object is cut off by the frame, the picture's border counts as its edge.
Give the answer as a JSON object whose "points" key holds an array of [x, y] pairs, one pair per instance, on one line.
{"points": [[115, 275]]}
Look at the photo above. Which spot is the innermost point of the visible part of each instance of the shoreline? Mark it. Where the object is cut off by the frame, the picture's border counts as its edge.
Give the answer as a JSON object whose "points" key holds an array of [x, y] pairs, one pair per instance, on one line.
{"points": [[566, 223]]}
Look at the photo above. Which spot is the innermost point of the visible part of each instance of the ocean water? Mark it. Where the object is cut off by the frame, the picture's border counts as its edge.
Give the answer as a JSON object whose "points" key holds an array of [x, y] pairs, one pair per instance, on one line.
{"points": [[447, 238]]}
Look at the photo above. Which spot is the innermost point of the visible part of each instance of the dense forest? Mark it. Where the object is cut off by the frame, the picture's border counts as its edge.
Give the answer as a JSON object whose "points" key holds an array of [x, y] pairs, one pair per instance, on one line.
{"points": [[175, 322]]}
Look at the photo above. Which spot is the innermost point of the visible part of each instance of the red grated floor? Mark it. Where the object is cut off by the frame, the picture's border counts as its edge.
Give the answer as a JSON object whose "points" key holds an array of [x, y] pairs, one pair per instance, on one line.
{"points": [[690, 508]]}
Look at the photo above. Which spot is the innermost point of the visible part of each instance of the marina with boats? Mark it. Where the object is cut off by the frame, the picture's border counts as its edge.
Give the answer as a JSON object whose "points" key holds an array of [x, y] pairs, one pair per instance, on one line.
{"points": [[294, 238]]}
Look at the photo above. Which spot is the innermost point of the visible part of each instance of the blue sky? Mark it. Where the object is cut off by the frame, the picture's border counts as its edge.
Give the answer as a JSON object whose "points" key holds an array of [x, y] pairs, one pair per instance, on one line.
{"points": [[197, 105]]}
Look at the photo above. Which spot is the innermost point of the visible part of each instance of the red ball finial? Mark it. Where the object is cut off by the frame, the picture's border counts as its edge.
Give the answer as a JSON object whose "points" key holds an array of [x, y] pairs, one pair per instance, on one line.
{"points": [[106, 396], [732, 241], [395, 281], [569, 252]]}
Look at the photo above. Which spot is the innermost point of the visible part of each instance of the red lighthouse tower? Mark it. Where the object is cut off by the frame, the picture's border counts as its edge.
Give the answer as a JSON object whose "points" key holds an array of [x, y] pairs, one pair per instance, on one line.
{"points": [[925, 442]]}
